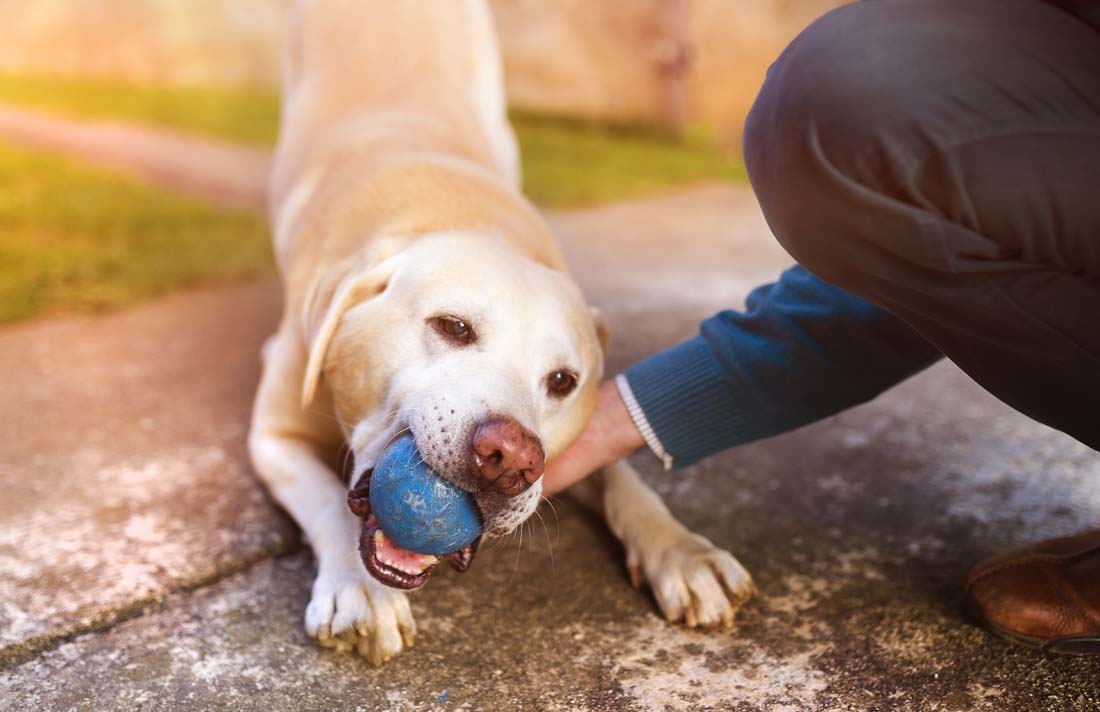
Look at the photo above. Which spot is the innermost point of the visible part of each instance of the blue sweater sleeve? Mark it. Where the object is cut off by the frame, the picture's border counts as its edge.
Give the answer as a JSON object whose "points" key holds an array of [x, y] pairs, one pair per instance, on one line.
{"points": [[801, 351]]}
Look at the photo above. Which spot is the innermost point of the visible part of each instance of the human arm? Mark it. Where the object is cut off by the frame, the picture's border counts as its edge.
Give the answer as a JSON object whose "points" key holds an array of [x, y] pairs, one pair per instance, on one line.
{"points": [[802, 350]]}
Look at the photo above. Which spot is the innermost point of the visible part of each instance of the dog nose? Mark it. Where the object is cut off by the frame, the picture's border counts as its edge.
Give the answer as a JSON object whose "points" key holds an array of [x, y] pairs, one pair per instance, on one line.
{"points": [[506, 455]]}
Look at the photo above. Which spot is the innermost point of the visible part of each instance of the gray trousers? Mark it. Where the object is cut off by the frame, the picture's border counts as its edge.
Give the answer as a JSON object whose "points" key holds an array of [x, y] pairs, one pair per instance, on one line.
{"points": [[941, 159]]}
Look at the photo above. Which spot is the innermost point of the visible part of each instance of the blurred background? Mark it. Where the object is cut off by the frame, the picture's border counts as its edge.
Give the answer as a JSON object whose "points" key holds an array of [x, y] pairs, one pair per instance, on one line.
{"points": [[610, 100], [143, 566], [679, 62]]}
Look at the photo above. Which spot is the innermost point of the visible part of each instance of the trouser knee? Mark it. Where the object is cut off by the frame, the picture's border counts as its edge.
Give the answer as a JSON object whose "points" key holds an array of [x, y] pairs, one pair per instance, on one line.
{"points": [[830, 137]]}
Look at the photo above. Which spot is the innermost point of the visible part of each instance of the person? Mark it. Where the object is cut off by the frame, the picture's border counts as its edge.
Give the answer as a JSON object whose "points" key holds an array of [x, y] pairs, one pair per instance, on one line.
{"points": [[934, 168]]}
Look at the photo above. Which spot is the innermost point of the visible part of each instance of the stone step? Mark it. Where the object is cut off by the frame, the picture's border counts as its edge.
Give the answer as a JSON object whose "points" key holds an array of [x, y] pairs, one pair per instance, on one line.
{"points": [[123, 461]]}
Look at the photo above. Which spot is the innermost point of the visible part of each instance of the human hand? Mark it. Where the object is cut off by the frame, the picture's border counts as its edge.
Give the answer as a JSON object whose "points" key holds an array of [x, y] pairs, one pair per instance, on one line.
{"points": [[609, 436]]}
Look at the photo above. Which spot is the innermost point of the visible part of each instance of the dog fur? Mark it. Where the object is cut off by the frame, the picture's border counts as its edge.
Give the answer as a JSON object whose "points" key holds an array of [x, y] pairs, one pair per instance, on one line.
{"points": [[395, 201]]}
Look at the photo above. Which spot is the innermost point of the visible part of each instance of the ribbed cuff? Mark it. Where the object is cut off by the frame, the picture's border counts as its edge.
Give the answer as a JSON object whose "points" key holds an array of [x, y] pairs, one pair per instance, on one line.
{"points": [[641, 422], [688, 401]]}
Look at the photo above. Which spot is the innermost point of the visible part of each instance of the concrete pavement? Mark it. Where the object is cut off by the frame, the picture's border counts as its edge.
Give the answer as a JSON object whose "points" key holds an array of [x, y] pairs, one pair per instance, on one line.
{"points": [[142, 566]]}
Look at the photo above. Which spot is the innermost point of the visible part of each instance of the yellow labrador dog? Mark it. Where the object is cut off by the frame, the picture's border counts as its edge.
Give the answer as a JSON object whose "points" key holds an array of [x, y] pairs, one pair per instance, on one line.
{"points": [[424, 294]]}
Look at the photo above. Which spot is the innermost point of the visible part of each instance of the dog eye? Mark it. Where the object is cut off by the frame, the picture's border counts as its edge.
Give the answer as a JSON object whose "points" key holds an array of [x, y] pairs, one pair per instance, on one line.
{"points": [[454, 329], [561, 383]]}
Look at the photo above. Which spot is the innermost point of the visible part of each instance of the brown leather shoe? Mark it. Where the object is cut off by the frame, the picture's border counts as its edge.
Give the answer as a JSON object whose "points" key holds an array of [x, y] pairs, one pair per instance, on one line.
{"points": [[1044, 596]]}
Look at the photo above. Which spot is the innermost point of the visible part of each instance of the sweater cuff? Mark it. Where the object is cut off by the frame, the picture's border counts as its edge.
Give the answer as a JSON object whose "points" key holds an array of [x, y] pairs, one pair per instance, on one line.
{"points": [[686, 399], [641, 422]]}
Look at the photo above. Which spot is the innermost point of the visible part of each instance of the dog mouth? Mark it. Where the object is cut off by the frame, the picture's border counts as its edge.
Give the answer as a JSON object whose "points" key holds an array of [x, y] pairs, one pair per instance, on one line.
{"points": [[389, 563]]}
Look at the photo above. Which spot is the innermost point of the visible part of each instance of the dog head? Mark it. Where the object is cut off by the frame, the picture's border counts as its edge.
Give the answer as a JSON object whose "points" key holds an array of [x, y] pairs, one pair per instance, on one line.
{"points": [[489, 359]]}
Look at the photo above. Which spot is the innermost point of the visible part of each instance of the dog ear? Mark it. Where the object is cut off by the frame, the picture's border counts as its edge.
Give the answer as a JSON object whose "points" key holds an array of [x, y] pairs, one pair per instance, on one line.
{"points": [[602, 332], [325, 304]]}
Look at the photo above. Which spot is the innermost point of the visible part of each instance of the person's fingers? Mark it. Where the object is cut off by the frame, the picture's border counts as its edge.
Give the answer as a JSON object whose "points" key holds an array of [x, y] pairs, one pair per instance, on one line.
{"points": [[609, 436], [579, 460]]}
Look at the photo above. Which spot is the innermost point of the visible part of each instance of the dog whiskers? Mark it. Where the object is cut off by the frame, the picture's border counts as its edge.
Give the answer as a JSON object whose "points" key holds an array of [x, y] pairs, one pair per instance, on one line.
{"points": [[549, 544], [550, 503], [519, 550]]}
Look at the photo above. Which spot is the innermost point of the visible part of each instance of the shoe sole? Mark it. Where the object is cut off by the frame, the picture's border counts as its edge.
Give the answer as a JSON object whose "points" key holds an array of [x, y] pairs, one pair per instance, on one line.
{"points": [[1073, 645]]}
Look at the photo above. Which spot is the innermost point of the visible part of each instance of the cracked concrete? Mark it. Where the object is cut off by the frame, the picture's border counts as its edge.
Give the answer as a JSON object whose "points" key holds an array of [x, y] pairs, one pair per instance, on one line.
{"points": [[142, 566], [123, 461]]}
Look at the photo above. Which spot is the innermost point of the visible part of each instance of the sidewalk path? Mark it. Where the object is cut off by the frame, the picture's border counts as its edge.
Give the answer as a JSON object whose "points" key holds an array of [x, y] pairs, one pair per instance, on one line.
{"points": [[142, 566], [225, 173], [122, 461]]}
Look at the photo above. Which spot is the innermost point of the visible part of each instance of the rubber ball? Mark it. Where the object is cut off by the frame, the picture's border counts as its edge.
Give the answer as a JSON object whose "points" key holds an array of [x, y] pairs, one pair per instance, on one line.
{"points": [[416, 508]]}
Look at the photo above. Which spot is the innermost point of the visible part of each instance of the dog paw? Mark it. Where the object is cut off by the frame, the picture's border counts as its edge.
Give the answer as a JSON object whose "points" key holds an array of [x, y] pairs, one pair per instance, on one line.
{"points": [[692, 579], [349, 610]]}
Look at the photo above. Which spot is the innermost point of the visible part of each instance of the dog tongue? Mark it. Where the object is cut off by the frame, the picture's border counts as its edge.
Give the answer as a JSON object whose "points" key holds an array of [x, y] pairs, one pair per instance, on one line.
{"points": [[393, 555]]}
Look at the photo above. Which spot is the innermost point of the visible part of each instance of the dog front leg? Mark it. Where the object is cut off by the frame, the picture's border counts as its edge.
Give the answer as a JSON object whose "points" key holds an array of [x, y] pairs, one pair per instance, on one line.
{"points": [[692, 579], [348, 609]]}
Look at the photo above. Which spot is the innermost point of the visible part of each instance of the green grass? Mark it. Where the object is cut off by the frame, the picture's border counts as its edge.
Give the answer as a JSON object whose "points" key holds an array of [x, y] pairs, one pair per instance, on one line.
{"points": [[566, 163], [79, 239], [246, 115], [75, 238]]}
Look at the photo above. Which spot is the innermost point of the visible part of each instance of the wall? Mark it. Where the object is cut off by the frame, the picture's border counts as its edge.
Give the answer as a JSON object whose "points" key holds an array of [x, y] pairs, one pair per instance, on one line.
{"points": [[600, 60]]}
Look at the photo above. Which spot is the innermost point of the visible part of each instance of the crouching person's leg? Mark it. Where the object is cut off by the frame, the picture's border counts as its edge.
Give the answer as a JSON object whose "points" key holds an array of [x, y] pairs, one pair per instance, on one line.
{"points": [[942, 160]]}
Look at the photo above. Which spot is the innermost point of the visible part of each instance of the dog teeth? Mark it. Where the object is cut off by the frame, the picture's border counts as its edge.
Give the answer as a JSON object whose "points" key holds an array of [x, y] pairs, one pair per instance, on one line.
{"points": [[426, 560]]}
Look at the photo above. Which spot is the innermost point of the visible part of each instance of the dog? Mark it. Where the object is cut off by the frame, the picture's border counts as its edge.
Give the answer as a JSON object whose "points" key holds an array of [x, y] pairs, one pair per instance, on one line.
{"points": [[424, 294]]}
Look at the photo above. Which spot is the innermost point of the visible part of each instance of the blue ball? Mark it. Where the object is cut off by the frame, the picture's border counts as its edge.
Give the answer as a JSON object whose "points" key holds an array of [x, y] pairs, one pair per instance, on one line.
{"points": [[416, 508]]}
